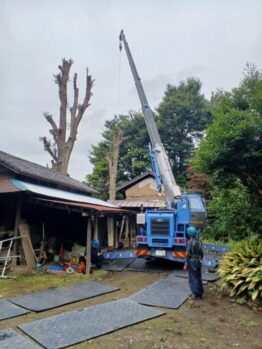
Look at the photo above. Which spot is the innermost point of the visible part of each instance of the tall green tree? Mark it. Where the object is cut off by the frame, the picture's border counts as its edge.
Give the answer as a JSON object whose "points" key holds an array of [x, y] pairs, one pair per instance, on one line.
{"points": [[233, 143], [183, 116], [231, 155]]}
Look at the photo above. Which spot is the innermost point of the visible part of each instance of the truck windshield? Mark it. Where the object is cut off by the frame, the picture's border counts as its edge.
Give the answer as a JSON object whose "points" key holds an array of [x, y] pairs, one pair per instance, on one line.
{"points": [[195, 203]]}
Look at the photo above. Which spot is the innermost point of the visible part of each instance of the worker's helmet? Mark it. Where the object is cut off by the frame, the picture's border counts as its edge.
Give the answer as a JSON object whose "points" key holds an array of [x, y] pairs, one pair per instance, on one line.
{"points": [[95, 243], [192, 231]]}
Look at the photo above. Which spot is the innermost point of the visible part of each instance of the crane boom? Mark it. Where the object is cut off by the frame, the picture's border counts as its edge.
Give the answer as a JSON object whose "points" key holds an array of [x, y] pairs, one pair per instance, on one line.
{"points": [[171, 188]]}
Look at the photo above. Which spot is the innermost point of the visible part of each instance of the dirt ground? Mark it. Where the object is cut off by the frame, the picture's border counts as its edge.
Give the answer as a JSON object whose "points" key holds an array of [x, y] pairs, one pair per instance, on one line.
{"points": [[215, 322]]}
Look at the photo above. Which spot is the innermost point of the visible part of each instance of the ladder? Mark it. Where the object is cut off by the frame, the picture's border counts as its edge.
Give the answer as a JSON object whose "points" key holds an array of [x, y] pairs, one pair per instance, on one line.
{"points": [[8, 256]]}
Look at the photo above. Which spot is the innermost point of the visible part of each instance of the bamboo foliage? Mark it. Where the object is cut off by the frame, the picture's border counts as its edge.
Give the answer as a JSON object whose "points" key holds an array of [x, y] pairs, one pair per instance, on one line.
{"points": [[241, 270]]}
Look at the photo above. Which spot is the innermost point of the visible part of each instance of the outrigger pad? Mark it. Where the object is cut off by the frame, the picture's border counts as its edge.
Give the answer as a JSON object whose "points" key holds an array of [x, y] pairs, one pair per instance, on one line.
{"points": [[117, 264], [154, 265], [57, 297], [8, 310], [80, 325], [166, 293], [9, 339]]}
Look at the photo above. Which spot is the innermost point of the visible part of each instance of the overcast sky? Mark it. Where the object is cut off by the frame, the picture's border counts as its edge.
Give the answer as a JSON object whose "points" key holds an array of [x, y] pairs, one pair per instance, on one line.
{"points": [[170, 40]]}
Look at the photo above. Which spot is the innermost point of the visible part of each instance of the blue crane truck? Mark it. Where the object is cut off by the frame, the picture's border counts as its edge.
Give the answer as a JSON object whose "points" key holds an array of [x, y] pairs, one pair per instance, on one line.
{"points": [[163, 233]]}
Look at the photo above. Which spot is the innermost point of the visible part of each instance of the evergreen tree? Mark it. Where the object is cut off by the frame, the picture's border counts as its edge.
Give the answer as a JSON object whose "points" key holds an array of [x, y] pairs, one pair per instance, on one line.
{"points": [[182, 118]]}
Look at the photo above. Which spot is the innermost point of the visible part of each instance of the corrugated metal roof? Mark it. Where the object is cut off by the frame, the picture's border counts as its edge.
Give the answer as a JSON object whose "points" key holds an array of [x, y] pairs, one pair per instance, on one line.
{"points": [[58, 194], [35, 171], [139, 203]]}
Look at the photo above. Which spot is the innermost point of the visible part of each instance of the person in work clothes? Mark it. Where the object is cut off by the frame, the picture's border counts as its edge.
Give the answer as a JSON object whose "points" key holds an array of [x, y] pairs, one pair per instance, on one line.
{"points": [[193, 263]]}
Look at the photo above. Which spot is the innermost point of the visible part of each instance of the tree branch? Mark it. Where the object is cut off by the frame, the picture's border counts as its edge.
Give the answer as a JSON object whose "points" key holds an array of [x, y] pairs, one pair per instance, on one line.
{"points": [[81, 108], [62, 79], [73, 109], [88, 93], [54, 131], [47, 146]]}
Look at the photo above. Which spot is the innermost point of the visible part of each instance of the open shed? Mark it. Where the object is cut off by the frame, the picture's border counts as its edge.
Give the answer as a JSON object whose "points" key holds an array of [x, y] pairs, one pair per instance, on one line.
{"points": [[55, 207]]}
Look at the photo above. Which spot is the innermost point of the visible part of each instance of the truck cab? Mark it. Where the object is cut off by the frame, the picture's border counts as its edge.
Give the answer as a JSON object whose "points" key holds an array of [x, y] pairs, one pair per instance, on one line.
{"points": [[198, 210], [163, 233]]}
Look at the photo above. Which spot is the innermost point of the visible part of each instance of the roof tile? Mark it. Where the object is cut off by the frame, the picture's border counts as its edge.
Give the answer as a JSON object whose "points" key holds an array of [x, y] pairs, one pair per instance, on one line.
{"points": [[47, 175]]}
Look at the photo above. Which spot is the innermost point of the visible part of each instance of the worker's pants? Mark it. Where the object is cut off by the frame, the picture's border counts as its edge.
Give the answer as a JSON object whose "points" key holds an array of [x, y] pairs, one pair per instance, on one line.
{"points": [[195, 277]]}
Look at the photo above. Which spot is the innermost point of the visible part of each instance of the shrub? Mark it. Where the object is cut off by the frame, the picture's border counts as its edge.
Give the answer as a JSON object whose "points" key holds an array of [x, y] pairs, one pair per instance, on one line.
{"points": [[241, 270], [234, 214]]}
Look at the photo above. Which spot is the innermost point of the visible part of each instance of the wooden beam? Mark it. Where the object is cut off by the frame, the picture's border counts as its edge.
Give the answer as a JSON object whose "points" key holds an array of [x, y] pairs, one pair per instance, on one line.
{"points": [[29, 253]]}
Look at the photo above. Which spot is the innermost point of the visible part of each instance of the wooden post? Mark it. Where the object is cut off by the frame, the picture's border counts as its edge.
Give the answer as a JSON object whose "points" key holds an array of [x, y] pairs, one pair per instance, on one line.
{"points": [[16, 225], [127, 228], [96, 229], [116, 236], [133, 230], [130, 231], [110, 231], [88, 245]]}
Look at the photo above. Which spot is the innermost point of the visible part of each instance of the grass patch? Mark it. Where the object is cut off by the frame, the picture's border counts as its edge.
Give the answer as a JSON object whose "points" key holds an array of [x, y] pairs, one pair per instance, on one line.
{"points": [[25, 283]]}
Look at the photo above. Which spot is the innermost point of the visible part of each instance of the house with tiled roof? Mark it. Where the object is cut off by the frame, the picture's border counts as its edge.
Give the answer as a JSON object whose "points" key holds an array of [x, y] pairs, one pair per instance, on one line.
{"points": [[140, 192]]}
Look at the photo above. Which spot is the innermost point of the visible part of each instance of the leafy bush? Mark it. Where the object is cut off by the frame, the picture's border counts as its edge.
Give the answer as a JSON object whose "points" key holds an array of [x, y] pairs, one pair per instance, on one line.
{"points": [[241, 270], [234, 214]]}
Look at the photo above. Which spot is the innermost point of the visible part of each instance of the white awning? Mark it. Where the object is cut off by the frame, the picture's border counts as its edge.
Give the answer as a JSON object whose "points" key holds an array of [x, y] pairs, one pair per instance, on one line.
{"points": [[58, 194]]}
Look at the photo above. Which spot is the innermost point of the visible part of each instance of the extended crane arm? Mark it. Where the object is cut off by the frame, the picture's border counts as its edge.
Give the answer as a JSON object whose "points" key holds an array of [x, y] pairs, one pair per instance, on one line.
{"points": [[171, 188]]}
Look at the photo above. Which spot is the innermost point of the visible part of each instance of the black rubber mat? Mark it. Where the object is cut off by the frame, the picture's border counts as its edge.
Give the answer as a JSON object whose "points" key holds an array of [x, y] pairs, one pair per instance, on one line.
{"points": [[57, 297], [154, 265], [79, 325], [173, 276], [206, 276], [8, 310], [9, 339], [117, 264], [166, 293]]}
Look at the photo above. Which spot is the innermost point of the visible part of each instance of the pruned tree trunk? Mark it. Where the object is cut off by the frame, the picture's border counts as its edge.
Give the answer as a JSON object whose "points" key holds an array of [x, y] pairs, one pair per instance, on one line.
{"points": [[112, 159], [61, 147]]}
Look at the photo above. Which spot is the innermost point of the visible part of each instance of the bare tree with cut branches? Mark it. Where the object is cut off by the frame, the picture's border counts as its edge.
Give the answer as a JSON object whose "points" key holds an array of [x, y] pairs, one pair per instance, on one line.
{"points": [[112, 159], [61, 146]]}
